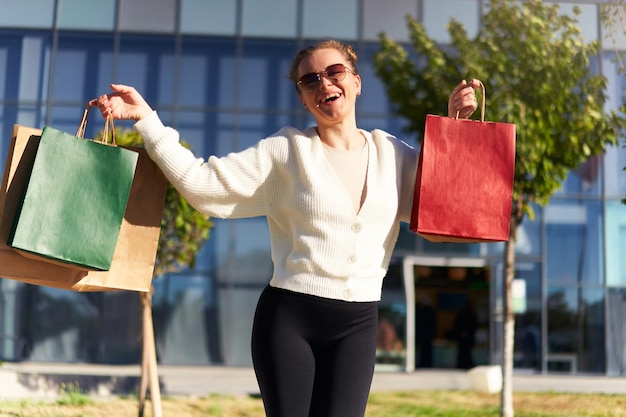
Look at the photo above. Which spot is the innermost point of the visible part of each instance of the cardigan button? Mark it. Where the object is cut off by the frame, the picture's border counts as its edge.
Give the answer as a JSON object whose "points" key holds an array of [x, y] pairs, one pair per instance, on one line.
{"points": [[352, 259], [357, 227]]}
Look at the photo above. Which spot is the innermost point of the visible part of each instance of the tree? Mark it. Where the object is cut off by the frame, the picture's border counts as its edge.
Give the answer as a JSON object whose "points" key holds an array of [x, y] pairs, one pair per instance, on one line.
{"points": [[183, 232], [614, 20], [536, 69]]}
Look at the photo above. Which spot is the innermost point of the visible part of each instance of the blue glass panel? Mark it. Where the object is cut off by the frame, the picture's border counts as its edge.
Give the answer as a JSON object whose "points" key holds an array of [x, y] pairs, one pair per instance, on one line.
{"points": [[86, 14], [615, 244], [528, 324], [281, 22], [574, 242], [216, 17], [389, 17], [341, 23], [616, 331], [70, 75], [35, 57], [211, 84], [141, 65], [155, 16], [265, 80], [437, 15], [32, 116], [194, 131], [588, 19], [373, 99], [575, 330], [615, 178], [584, 180], [67, 119], [185, 309], [243, 252], [27, 13], [195, 73]]}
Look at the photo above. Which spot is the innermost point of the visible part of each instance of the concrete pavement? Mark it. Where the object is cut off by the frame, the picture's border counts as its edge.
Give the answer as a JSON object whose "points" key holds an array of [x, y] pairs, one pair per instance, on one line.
{"points": [[43, 380]]}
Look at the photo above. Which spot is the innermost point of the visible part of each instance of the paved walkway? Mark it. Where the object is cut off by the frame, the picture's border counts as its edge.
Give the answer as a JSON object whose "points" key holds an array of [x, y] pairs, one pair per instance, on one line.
{"points": [[42, 380]]}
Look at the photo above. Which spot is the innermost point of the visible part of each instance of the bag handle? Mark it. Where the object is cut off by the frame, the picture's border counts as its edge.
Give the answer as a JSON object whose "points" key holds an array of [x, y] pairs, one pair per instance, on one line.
{"points": [[109, 128], [482, 109]]}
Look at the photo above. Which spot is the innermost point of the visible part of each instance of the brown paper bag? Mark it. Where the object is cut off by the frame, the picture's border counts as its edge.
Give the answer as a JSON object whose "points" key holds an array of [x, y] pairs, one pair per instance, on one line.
{"points": [[135, 252]]}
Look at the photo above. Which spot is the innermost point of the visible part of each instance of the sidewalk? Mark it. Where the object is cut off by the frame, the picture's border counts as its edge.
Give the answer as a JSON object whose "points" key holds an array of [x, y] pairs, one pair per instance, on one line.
{"points": [[42, 380]]}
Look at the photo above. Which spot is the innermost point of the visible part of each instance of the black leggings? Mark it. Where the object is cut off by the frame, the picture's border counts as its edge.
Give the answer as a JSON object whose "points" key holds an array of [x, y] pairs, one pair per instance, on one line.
{"points": [[313, 357]]}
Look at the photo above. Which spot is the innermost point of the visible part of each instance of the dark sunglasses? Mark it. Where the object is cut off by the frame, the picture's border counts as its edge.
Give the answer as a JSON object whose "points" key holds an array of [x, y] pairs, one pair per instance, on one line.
{"points": [[311, 81]]}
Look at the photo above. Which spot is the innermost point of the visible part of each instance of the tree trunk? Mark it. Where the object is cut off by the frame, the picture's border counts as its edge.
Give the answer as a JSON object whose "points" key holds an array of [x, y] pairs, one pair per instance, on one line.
{"points": [[149, 372], [506, 395]]}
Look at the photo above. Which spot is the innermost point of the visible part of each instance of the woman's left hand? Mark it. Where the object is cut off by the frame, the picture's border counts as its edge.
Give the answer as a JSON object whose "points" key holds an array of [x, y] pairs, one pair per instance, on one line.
{"points": [[463, 100]]}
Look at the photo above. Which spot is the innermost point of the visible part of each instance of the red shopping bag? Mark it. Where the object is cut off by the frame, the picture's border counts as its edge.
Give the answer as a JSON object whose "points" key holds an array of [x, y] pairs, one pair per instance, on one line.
{"points": [[464, 184]]}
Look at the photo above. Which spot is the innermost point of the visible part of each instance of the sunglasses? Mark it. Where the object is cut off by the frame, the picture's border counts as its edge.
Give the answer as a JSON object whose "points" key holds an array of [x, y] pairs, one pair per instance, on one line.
{"points": [[312, 80]]}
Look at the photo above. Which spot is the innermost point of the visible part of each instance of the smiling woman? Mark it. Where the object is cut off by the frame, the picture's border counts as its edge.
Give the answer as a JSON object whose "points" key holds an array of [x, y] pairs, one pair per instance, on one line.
{"points": [[334, 196]]}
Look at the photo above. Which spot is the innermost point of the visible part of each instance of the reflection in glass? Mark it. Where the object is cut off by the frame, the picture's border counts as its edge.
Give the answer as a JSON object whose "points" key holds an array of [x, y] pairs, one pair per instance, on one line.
{"points": [[575, 330], [66, 326], [573, 242], [392, 310], [616, 325], [527, 346]]}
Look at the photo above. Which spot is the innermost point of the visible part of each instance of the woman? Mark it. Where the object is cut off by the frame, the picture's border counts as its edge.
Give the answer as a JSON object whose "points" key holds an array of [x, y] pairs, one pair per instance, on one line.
{"points": [[334, 196]]}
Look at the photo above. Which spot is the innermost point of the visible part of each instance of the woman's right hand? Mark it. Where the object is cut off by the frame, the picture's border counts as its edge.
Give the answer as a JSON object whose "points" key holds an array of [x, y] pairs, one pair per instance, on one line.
{"points": [[123, 103]]}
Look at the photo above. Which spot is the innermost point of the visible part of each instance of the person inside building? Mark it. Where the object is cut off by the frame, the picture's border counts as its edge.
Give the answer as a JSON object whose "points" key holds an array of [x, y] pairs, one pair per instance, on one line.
{"points": [[334, 196]]}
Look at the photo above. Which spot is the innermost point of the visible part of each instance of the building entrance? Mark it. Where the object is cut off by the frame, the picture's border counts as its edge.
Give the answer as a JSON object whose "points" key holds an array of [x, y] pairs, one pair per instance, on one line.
{"points": [[434, 313]]}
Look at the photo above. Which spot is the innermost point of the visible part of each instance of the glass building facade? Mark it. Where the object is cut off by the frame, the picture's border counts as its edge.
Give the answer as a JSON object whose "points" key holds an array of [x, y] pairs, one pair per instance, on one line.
{"points": [[217, 71]]}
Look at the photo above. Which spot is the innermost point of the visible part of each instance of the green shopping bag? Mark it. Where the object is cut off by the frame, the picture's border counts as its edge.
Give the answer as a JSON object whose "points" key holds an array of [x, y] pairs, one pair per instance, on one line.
{"points": [[73, 205]]}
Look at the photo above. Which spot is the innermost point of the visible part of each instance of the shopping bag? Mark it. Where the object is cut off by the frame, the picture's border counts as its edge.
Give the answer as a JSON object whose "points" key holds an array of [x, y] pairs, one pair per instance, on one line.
{"points": [[74, 201], [464, 184], [135, 253]]}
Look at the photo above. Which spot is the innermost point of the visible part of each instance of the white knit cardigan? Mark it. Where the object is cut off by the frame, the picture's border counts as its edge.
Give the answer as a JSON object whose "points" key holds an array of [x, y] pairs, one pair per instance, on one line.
{"points": [[319, 244]]}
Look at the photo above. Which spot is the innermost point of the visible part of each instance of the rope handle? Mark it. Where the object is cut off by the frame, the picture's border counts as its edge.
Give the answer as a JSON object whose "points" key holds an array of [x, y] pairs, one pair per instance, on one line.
{"points": [[482, 109], [109, 128]]}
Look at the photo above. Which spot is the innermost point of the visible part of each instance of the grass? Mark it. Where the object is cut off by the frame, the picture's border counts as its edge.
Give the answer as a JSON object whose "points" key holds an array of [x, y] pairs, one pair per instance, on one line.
{"points": [[395, 404]]}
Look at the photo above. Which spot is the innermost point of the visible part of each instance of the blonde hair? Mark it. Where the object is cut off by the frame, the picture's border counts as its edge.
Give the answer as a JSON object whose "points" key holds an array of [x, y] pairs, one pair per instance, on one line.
{"points": [[342, 47]]}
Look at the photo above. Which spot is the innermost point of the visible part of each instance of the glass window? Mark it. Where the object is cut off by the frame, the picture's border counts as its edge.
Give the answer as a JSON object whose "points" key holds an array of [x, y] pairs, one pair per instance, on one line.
{"points": [[86, 14], [242, 251], [265, 80], [373, 100], [27, 13], [146, 64], [389, 17], [527, 344], [32, 116], [69, 75], [216, 17], [437, 15], [62, 326], [616, 331], [615, 36], [391, 343], [281, 22], [588, 19], [574, 242], [615, 244], [575, 330], [206, 73], [185, 308], [157, 16], [81, 62], [614, 164], [194, 75], [342, 23], [35, 58], [585, 180], [197, 132]]}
